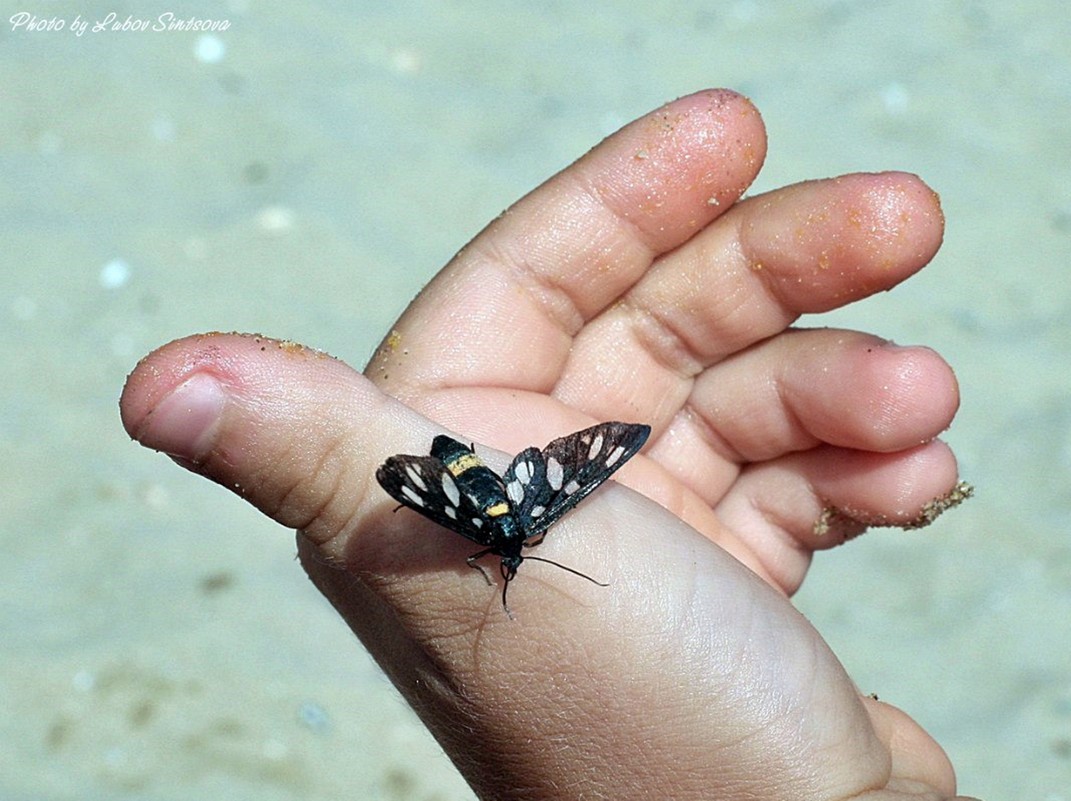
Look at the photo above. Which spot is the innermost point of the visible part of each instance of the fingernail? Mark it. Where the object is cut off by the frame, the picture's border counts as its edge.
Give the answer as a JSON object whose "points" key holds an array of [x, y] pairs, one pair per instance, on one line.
{"points": [[184, 423]]}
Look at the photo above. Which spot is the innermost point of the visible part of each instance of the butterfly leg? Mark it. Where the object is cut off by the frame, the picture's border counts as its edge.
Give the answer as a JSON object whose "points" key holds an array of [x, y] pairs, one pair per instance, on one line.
{"points": [[472, 563], [507, 574]]}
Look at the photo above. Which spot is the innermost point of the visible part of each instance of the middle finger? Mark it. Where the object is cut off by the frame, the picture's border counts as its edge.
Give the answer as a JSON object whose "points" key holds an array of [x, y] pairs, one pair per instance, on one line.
{"points": [[806, 248]]}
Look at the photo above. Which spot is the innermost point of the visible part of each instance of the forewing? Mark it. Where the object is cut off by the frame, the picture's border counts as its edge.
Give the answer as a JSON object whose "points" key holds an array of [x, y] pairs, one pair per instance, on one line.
{"points": [[544, 485], [423, 484]]}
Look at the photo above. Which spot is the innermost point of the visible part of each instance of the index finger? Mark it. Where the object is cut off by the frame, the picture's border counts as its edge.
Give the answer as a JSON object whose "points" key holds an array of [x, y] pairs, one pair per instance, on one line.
{"points": [[504, 311]]}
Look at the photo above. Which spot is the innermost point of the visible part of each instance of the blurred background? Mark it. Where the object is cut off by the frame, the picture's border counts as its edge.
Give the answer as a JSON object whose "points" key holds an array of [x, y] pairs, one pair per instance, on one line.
{"points": [[303, 173]]}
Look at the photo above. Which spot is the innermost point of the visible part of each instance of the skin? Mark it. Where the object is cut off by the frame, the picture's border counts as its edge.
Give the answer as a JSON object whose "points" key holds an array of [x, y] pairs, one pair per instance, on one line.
{"points": [[633, 286]]}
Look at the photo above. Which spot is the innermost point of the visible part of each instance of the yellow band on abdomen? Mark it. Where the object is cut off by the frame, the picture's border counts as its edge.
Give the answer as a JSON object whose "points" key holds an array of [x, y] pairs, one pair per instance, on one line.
{"points": [[497, 510], [463, 463]]}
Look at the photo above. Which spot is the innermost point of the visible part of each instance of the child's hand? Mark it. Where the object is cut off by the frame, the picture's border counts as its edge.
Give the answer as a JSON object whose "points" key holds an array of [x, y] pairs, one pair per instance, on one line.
{"points": [[633, 286]]}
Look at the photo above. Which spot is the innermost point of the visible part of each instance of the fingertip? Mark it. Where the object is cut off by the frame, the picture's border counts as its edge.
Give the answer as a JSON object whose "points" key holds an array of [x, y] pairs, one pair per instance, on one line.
{"points": [[183, 423], [914, 396], [674, 170], [164, 370], [903, 209], [916, 756]]}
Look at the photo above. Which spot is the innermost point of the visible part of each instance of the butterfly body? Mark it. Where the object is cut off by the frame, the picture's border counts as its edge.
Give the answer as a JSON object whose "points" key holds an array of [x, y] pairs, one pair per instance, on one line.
{"points": [[505, 514]]}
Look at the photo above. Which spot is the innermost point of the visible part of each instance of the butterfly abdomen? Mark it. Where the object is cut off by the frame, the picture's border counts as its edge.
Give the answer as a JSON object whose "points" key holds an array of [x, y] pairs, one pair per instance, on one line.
{"points": [[472, 476]]}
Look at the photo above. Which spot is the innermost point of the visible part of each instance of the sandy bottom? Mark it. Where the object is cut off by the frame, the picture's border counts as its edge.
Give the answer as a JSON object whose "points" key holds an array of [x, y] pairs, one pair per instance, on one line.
{"points": [[303, 175]]}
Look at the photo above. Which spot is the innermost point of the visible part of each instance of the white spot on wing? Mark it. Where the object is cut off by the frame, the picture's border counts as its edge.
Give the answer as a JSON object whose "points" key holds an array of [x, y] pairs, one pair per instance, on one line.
{"points": [[571, 487], [538, 510], [451, 490], [412, 495], [555, 474], [613, 458], [476, 521], [524, 472], [596, 446], [450, 512], [413, 471], [515, 491]]}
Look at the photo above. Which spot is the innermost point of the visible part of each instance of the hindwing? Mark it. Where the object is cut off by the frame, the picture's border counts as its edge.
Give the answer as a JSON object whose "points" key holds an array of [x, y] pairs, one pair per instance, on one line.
{"points": [[542, 485]]}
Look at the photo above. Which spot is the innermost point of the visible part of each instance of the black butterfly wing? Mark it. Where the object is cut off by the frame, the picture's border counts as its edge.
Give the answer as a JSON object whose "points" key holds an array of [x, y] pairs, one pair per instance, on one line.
{"points": [[542, 485], [425, 485]]}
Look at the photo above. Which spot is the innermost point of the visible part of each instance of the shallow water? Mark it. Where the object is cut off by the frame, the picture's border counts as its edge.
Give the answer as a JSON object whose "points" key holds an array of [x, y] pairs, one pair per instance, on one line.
{"points": [[304, 174]]}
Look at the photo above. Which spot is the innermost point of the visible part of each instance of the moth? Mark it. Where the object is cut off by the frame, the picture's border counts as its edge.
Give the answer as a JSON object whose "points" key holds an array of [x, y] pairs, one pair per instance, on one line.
{"points": [[509, 513]]}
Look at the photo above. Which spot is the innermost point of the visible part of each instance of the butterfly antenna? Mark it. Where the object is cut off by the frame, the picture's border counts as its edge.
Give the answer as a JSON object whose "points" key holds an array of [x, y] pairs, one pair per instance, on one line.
{"points": [[563, 567]]}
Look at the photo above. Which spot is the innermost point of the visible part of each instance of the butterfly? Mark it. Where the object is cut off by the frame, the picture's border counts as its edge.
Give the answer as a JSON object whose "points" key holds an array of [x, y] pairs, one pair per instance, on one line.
{"points": [[505, 514]]}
